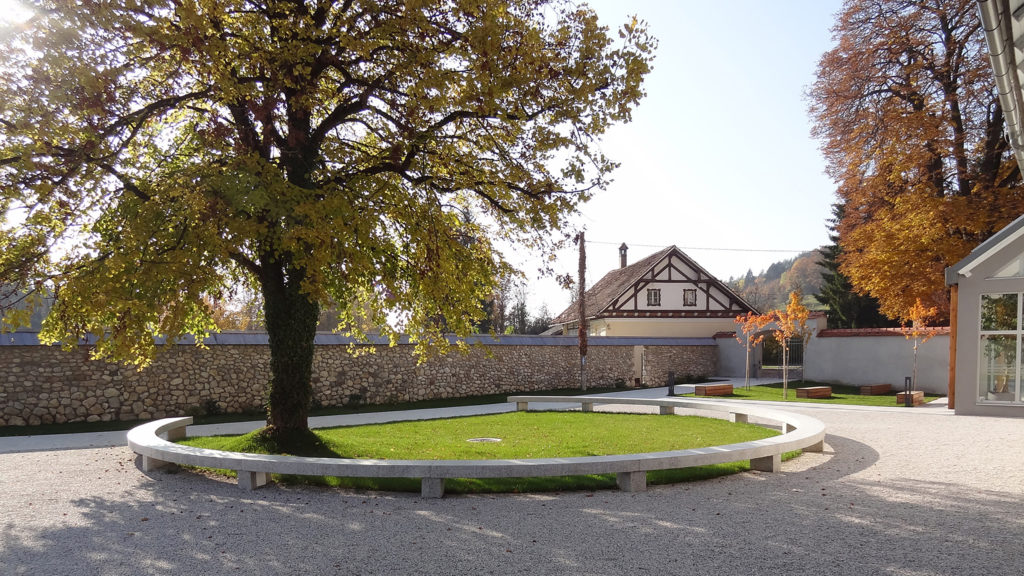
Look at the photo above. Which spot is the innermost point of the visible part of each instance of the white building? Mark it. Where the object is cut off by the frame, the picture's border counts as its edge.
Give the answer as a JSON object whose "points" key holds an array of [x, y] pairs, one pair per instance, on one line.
{"points": [[666, 294]]}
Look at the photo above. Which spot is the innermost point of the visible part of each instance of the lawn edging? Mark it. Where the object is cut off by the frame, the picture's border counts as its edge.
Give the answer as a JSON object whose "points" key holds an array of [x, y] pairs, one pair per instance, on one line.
{"points": [[154, 442]]}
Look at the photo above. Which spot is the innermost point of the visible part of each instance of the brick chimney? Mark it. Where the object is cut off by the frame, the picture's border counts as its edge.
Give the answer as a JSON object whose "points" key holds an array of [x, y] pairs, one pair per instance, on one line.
{"points": [[622, 255]]}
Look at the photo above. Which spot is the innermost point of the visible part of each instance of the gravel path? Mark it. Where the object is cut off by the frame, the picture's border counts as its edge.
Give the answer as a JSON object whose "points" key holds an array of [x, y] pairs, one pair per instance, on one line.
{"points": [[911, 492]]}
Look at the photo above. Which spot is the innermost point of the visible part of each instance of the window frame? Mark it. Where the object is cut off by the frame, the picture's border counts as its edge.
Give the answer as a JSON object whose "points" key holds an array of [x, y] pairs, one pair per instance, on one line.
{"points": [[689, 297], [654, 297], [982, 391]]}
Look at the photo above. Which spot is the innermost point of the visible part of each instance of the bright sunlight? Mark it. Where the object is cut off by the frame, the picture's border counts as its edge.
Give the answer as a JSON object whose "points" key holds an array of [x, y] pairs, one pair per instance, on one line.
{"points": [[13, 12]]}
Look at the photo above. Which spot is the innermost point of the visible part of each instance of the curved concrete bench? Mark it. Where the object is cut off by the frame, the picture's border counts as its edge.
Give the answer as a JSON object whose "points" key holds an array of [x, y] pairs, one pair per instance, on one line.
{"points": [[154, 442]]}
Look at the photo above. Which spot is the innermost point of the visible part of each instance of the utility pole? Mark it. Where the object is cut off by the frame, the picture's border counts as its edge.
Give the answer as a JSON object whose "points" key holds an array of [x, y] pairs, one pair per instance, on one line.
{"points": [[582, 306]]}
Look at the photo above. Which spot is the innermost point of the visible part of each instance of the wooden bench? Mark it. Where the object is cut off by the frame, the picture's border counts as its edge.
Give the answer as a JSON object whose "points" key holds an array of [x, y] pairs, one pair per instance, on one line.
{"points": [[153, 441], [712, 390], [814, 392], [916, 398], [875, 389]]}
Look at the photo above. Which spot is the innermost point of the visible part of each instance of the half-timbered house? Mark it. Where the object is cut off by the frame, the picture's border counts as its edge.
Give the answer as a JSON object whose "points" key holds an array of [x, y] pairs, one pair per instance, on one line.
{"points": [[666, 294]]}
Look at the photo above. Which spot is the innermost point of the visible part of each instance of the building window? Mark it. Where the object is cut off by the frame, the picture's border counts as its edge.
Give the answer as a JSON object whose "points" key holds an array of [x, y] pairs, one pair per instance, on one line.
{"points": [[999, 368], [654, 297], [690, 297]]}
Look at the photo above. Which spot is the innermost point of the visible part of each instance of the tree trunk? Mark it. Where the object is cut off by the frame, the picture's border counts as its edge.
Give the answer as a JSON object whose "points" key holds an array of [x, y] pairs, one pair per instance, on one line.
{"points": [[746, 373], [291, 320], [785, 369]]}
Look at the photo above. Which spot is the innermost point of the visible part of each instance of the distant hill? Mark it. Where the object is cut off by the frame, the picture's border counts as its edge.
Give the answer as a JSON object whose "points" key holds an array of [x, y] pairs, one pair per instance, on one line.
{"points": [[770, 289]]}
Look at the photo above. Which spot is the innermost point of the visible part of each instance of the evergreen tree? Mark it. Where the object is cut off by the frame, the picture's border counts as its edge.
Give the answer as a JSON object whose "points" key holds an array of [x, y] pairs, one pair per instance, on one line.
{"points": [[486, 322], [748, 279], [846, 308], [520, 314]]}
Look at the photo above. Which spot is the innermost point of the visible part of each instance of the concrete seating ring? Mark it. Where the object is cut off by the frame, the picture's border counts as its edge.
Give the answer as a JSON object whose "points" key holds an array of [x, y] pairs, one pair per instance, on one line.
{"points": [[154, 442]]}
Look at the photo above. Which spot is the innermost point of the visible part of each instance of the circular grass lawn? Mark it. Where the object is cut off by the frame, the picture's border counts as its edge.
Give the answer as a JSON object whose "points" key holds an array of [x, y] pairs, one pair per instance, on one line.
{"points": [[513, 435]]}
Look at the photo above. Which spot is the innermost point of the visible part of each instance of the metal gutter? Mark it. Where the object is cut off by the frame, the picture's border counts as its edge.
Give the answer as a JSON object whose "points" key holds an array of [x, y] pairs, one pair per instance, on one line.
{"points": [[997, 20]]}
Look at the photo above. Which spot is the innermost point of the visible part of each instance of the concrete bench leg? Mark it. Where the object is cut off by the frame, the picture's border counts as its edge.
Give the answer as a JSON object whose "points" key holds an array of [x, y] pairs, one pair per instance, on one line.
{"points": [[252, 480], [175, 434], [632, 481], [588, 406], [666, 409], [432, 487], [521, 406], [741, 418], [771, 463], [149, 463], [819, 447]]}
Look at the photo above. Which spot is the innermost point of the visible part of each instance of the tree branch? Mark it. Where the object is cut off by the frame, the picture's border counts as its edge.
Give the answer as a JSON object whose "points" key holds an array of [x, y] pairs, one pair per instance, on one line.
{"points": [[128, 184]]}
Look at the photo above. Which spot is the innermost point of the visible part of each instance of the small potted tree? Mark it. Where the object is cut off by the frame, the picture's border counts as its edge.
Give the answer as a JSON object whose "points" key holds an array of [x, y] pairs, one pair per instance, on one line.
{"points": [[752, 326], [920, 334]]}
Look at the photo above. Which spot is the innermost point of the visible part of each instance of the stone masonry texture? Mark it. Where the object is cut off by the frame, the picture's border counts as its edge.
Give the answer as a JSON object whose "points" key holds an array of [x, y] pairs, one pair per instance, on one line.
{"points": [[45, 384]]}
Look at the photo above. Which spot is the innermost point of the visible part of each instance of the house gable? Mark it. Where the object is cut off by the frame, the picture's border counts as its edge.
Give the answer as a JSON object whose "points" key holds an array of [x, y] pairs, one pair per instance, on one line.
{"points": [[684, 290]]}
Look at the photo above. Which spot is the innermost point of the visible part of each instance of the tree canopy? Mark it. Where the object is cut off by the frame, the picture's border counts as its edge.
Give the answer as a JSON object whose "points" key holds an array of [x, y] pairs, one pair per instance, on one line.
{"points": [[154, 153], [845, 308], [913, 133]]}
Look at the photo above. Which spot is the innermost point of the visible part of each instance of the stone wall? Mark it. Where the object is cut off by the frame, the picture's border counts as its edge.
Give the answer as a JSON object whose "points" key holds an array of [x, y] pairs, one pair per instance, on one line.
{"points": [[44, 384], [660, 360]]}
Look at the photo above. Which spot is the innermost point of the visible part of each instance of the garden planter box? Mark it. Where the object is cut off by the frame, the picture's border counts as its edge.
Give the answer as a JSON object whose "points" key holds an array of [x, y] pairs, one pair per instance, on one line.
{"points": [[917, 398]]}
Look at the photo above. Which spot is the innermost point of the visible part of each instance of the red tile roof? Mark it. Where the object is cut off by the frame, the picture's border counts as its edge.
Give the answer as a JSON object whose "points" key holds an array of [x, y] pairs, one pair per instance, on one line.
{"points": [[864, 332], [611, 285]]}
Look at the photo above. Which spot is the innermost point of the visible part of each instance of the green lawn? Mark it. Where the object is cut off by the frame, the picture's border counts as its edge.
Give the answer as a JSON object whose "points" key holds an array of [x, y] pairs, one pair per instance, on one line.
{"points": [[840, 394], [523, 435]]}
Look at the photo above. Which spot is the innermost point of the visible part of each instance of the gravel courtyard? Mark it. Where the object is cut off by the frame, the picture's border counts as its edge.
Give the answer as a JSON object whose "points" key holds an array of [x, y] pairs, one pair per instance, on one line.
{"points": [[897, 491]]}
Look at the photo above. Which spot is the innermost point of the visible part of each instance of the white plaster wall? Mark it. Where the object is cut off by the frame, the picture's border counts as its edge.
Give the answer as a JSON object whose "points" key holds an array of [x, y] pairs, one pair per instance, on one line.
{"points": [[731, 357], [860, 360], [672, 297], [665, 327]]}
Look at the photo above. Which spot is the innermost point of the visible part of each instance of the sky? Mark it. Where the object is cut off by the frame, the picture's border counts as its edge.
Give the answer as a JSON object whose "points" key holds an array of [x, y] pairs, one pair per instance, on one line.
{"points": [[12, 11], [718, 159]]}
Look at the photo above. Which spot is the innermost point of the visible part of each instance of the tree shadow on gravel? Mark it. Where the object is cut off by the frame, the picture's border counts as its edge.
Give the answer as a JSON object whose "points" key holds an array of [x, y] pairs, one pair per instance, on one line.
{"points": [[832, 518]]}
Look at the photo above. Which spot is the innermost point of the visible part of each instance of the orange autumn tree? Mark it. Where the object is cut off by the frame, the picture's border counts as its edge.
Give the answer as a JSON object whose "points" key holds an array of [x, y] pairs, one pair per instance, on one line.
{"points": [[910, 124], [752, 326], [918, 330], [790, 324], [785, 325]]}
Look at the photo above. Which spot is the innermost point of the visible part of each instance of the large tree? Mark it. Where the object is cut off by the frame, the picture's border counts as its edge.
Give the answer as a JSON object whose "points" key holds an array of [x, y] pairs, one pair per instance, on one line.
{"points": [[912, 130], [154, 152], [845, 307]]}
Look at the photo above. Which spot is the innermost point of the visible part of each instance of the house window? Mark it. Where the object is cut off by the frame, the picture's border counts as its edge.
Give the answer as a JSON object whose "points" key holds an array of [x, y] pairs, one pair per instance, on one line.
{"points": [[999, 367], [690, 297], [654, 297]]}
